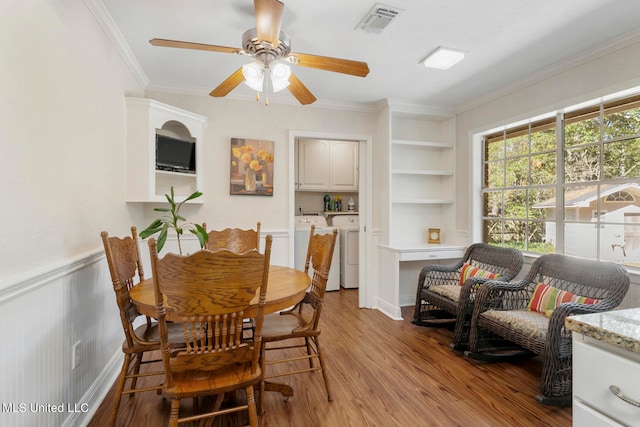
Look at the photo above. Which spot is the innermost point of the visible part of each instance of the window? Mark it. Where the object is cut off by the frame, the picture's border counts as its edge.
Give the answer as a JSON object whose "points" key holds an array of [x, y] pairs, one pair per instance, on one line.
{"points": [[567, 183], [519, 186], [620, 196]]}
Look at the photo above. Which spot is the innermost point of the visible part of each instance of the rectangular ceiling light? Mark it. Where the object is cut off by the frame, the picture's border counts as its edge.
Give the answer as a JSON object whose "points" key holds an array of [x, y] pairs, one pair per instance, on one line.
{"points": [[443, 58]]}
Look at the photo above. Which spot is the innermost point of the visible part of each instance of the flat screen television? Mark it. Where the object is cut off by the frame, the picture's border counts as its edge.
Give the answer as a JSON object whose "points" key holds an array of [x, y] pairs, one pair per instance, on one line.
{"points": [[175, 155]]}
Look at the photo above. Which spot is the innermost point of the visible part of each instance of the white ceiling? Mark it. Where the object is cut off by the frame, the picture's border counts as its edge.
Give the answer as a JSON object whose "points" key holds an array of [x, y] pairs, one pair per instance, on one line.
{"points": [[508, 42]]}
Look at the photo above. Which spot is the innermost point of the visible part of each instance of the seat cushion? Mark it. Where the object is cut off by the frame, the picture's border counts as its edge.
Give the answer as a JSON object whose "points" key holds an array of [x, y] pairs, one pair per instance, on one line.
{"points": [[278, 326], [151, 334], [528, 322], [468, 271], [451, 292]]}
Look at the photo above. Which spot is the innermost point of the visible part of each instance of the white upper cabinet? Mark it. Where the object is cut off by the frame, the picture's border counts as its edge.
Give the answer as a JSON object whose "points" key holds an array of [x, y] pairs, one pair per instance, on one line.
{"points": [[325, 165], [343, 166], [313, 165]]}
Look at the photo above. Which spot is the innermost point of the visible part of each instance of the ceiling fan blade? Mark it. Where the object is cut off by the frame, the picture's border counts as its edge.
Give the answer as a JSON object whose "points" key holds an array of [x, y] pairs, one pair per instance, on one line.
{"points": [[337, 65], [268, 20], [228, 85], [300, 91], [196, 46]]}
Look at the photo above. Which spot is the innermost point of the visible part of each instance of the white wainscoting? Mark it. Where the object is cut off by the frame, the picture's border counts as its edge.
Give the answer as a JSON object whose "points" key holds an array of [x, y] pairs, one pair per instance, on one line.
{"points": [[48, 313], [44, 316]]}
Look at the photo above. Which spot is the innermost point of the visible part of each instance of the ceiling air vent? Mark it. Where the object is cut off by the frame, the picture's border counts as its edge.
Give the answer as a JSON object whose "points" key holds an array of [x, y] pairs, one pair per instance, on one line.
{"points": [[378, 18]]}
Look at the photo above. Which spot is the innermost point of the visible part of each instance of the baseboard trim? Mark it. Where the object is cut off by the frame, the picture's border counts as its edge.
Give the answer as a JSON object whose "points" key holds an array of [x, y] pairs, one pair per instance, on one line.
{"points": [[94, 396], [390, 310]]}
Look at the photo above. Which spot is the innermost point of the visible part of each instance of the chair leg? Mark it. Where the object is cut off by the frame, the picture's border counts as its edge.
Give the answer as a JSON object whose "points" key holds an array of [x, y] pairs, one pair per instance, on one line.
{"points": [[175, 412], [137, 361], [119, 388], [262, 385], [251, 402], [309, 351], [323, 369]]}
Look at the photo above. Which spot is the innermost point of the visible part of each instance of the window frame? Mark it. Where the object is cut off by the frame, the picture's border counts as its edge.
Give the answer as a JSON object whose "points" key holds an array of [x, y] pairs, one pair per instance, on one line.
{"points": [[597, 108]]}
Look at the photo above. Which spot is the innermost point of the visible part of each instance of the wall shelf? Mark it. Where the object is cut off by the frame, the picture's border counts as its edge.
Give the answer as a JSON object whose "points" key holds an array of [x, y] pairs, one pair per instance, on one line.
{"points": [[145, 119]]}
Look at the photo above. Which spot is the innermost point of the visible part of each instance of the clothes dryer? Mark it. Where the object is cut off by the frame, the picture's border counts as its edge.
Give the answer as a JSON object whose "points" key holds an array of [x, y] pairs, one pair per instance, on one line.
{"points": [[302, 229], [349, 226]]}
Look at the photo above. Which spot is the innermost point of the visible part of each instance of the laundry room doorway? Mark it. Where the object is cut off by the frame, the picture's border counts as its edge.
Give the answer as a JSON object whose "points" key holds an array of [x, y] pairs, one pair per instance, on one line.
{"points": [[314, 191]]}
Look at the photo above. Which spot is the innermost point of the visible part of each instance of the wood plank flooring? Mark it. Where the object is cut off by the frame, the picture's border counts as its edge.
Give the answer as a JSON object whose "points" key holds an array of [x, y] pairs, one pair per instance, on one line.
{"points": [[382, 373]]}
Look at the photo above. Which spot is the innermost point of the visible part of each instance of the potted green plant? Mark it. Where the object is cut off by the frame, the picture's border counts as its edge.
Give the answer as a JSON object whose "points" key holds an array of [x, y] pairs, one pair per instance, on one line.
{"points": [[172, 220]]}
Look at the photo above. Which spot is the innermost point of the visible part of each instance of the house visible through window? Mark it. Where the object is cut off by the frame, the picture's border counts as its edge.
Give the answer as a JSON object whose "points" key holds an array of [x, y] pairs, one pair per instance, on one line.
{"points": [[567, 183]]}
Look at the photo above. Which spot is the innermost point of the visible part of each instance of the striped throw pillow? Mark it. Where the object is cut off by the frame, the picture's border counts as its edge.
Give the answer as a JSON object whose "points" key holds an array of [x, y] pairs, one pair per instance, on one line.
{"points": [[471, 271], [546, 298]]}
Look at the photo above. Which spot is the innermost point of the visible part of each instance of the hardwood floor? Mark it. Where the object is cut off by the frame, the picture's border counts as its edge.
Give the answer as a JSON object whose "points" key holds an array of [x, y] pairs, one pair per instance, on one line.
{"points": [[383, 373]]}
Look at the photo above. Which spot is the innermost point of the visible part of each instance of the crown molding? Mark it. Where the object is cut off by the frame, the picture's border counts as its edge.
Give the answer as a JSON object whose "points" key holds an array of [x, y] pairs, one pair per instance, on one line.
{"points": [[274, 99], [105, 21], [612, 45]]}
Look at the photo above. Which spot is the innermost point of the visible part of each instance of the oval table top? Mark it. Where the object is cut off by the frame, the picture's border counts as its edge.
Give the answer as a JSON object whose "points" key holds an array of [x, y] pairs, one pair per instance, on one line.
{"points": [[286, 287]]}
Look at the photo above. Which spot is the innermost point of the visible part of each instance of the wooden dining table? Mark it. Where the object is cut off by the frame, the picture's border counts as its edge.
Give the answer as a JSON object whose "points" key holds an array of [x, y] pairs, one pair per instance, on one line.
{"points": [[286, 287]]}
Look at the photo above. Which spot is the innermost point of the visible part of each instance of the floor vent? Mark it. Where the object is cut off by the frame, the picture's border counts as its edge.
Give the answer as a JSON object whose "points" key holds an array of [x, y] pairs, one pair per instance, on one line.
{"points": [[378, 18]]}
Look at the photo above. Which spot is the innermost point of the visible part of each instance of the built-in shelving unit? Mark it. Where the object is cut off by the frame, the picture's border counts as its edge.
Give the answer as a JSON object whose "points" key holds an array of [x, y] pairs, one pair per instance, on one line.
{"points": [[145, 119], [421, 195], [421, 179]]}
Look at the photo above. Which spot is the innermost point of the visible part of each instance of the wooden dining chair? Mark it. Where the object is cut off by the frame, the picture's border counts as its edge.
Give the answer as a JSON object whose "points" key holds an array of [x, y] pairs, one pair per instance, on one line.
{"points": [[210, 293], [123, 257], [233, 239], [301, 324]]}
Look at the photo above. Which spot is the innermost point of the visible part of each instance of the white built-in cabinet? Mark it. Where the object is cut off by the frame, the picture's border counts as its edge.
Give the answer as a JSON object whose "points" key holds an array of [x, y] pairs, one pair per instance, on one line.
{"points": [[145, 119], [326, 165], [420, 186], [598, 365], [422, 189]]}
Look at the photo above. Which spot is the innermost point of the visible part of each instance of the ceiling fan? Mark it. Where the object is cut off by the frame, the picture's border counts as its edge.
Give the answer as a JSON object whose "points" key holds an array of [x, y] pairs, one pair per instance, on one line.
{"points": [[271, 50]]}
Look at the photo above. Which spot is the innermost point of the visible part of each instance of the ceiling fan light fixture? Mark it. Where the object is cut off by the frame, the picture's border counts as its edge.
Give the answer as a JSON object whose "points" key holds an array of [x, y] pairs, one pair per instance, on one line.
{"points": [[253, 74], [443, 58], [279, 74]]}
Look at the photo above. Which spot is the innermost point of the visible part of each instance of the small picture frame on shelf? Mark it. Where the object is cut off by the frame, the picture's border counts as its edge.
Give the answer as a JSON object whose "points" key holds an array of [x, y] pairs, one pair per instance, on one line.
{"points": [[434, 235]]}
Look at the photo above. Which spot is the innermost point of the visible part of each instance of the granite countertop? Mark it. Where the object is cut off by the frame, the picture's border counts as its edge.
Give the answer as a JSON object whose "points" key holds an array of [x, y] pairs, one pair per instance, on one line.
{"points": [[620, 328]]}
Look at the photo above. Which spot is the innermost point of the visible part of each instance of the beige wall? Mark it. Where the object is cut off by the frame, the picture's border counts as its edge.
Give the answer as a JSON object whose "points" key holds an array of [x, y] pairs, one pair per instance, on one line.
{"points": [[610, 72], [604, 73], [62, 130], [228, 118]]}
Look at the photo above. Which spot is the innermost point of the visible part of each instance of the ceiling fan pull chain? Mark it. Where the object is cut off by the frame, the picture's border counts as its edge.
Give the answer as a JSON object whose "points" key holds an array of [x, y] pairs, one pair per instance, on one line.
{"points": [[266, 82]]}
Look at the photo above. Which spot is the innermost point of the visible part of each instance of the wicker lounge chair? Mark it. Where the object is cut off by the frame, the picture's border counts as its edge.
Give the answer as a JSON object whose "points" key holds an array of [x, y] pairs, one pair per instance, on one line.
{"points": [[440, 298], [515, 320]]}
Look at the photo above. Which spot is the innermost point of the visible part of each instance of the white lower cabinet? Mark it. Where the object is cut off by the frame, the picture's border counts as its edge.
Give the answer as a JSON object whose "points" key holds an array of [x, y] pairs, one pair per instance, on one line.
{"points": [[587, 417], [596, 367]]}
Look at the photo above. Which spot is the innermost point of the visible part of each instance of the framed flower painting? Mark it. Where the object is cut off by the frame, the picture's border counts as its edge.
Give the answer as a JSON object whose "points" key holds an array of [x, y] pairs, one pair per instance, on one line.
{"points": [[251, 167]]}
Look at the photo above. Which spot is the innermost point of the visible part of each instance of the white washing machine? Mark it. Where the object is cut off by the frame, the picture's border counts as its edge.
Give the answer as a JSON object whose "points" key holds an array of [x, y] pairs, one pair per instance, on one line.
{"points": [[349, 226], [302, 229]]}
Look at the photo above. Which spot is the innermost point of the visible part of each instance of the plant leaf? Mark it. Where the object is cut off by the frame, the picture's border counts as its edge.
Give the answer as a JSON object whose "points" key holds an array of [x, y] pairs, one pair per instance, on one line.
{"points": [[193, 196], [152, 229], [170, 199], [202, 235], [162, 238]]}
